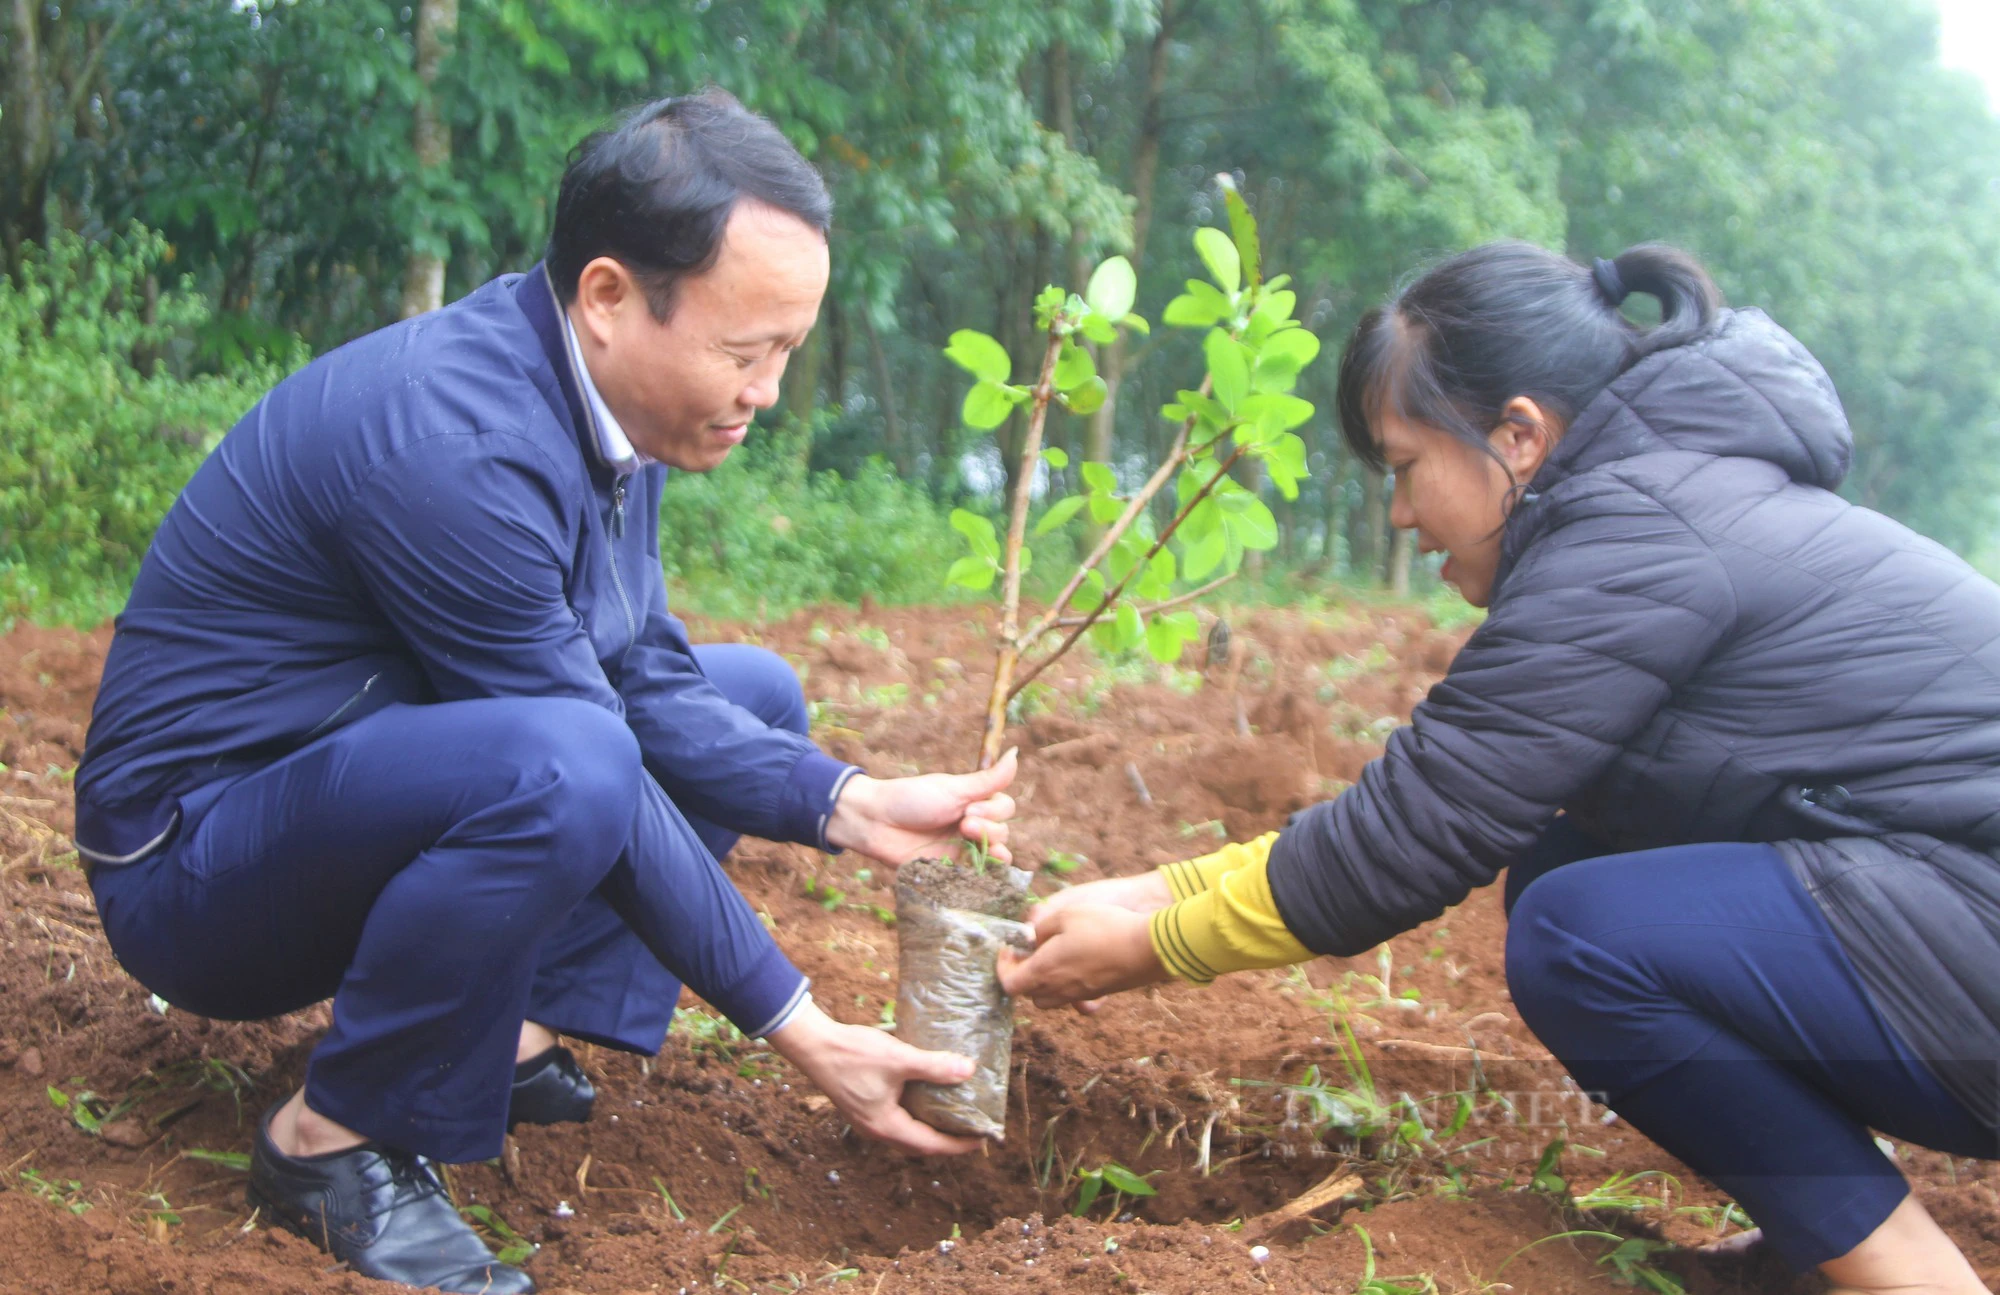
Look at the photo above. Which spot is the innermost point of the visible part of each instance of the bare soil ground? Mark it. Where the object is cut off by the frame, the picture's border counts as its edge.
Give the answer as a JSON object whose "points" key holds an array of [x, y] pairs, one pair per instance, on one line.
{"points": [[712, 1167]]}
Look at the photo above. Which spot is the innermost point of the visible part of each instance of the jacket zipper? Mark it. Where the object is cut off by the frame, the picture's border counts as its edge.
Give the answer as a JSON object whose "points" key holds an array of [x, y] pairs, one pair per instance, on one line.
{"points": [[617, 580], [343, 708]]}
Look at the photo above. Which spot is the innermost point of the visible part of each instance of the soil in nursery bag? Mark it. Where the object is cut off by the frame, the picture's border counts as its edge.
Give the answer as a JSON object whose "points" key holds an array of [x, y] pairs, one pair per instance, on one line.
{"points": [[952, 921]]}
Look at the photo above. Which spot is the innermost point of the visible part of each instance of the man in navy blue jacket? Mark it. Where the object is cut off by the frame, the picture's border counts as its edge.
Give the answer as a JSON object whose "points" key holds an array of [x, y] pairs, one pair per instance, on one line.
{"points": [[397, 713]]}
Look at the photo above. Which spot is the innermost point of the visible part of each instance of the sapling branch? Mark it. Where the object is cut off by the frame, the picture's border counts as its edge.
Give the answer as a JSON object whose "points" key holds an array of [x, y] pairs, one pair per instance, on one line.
{"points": [[1177, 455], [1111, 595], [1178, 600], [1017, 527]]}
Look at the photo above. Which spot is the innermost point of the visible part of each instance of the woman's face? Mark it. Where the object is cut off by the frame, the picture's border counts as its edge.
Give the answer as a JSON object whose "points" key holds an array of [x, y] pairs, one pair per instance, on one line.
{"points": [[1455, 496]]}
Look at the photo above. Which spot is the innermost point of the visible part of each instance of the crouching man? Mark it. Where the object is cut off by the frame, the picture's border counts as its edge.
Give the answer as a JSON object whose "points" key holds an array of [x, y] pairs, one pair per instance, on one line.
{"points": [[397, 714]]}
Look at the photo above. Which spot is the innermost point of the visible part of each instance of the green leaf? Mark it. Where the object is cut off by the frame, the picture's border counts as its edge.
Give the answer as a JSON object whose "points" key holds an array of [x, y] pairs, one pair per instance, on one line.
{"points": [[1086, 1194], [979, 355], [987, 406], [1130, 628], [1089, 593], [1098, 478], [1275, 412], [1229, 367], [1219, 255], [1250, 521], [1088, 398], [1126, 1181], [1056, 457], [1059, 512], [237, 1160], [1138, 324], [1204, 553], [1243, 228], [972, 571], [1099, 329], [1104, 509], [1276, 306], [1202, 306], [978, 532], [1282, 356], [1073, 368], [1113, 288], [1285, 459], [1157, 584], [1287, 352]]}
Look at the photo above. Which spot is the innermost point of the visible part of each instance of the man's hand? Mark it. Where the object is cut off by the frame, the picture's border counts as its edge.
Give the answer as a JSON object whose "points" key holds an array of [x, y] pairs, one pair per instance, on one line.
{"points": [[864, 1069], [1083, 952], [894, 820]]}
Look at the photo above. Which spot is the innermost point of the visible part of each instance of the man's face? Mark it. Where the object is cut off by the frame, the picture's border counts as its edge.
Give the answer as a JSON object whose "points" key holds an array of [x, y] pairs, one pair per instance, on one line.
{"points": [[686, 390]]}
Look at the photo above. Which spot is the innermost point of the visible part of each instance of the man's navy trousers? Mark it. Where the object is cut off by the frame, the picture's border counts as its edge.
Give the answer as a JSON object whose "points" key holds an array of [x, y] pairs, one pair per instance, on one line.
{"points": [[1699, 992], [444, 872]]}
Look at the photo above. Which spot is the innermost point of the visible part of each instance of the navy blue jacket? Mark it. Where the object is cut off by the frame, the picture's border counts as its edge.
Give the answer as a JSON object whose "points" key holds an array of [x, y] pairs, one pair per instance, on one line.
{"points": [[421, 515]]}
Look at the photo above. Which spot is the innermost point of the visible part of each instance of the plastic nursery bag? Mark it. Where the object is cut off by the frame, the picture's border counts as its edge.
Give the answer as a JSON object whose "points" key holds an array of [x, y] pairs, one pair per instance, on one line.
{"points": [[951, 925]]}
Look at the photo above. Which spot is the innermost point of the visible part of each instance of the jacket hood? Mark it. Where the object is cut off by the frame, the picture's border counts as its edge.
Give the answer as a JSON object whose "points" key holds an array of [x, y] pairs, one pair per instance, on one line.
{"points": [[1743, 389]]}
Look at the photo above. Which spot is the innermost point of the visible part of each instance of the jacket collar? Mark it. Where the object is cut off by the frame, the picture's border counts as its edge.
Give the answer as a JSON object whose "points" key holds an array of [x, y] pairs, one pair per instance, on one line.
{"points": [[536, 295]]}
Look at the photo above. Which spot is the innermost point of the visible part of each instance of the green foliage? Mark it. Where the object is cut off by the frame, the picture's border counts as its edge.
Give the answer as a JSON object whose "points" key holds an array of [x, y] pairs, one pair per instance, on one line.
{"points": [[1090, 1184], [97, 431], [508, 1246], [1243, 412], [1374, 1284], [1811, 151], [66, 1192], [762, 535]]}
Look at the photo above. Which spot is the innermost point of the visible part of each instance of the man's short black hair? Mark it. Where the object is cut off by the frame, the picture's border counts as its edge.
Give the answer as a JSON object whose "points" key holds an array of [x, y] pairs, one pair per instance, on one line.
{"points": [[656, 191]]}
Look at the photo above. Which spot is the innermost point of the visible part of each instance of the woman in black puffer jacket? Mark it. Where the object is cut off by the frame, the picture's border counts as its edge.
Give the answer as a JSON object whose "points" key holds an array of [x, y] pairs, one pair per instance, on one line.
{"points": [[1738, 739]]}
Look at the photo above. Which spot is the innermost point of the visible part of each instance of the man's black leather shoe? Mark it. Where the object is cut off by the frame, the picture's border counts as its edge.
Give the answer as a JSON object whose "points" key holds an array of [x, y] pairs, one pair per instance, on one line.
{"points": [[380, 1211], [550, 1088]]}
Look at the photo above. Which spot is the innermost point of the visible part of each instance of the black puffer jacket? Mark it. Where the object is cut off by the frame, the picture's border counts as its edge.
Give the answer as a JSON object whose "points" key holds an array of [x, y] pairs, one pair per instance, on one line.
{"points": [[1692, 638]]}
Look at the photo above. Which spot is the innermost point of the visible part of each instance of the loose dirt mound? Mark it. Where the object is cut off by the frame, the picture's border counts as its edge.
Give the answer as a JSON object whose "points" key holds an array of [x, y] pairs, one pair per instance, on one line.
{"points": [[711, 1167]]}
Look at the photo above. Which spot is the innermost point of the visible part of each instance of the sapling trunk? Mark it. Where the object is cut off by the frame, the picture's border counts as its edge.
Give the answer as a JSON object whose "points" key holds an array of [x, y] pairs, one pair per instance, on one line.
{"points": [[1010, 581]]}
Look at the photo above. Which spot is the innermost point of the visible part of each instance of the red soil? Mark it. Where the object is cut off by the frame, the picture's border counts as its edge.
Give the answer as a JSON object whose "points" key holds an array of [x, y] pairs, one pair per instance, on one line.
{"points": [[775, 1194]]}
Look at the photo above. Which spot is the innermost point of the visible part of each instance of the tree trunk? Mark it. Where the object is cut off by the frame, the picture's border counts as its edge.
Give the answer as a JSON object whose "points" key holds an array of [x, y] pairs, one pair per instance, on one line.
{"points": [[802, 391], [1402, 549], [27, 136], [1145, 168], [423, 273], [1366, 527], [885, 393]]}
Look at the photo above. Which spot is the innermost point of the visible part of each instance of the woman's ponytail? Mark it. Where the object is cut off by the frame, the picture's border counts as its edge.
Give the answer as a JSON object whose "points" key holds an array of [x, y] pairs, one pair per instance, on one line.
{"points": [[1688, 297], [1510, 319]]}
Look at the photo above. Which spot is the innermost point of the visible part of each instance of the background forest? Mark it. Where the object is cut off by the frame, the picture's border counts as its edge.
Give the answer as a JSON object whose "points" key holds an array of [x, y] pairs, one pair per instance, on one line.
{"points": [[198, 195]]}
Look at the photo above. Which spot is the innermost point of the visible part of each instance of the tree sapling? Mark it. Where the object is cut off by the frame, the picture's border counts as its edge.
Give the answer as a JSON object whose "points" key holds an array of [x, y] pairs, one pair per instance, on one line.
{"points": [[1126, 592]]}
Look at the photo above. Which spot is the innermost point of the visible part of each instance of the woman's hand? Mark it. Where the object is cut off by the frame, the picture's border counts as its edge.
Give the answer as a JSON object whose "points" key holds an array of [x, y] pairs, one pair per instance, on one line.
{"points": [[1144, 893], [1083, 951], [894, 820], [864, 1069]]}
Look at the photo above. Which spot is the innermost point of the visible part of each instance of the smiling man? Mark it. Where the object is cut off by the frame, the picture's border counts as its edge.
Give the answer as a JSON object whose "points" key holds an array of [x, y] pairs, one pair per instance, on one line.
{"points": [[397, 714]]}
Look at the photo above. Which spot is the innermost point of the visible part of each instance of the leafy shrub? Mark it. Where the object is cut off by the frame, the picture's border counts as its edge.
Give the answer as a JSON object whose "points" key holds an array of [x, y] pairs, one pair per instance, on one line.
{"points": [[762, 536], [98, 433]]}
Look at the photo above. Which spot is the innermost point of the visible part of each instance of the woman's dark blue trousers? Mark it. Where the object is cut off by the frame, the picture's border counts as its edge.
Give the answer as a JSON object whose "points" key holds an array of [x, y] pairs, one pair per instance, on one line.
{"points": [[444, 872], [1698, 992]]}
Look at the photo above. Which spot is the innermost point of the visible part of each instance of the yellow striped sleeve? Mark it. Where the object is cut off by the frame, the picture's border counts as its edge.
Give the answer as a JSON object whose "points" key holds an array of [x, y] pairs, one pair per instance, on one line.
{"points": [[1192, 876], [1231, 926]]}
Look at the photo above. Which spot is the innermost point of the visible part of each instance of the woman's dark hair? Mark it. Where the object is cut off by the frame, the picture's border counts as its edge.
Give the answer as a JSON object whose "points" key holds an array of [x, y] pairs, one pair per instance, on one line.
{"points": [[1510, 319], [656, 191]]}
